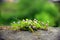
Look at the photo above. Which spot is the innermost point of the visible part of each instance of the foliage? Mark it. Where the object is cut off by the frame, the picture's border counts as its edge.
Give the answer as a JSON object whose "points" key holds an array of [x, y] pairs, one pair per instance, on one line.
{"points": [[30, 9], [49, 13], [28, 25], [45, 17]]}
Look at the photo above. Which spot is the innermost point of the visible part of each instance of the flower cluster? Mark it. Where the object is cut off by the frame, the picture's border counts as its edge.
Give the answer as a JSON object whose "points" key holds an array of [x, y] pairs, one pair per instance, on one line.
{"points": [[29, 25]]}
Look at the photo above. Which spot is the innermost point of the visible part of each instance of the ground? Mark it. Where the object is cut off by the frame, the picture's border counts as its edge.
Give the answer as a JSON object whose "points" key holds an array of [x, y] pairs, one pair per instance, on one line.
{"points": [[52, 34]]}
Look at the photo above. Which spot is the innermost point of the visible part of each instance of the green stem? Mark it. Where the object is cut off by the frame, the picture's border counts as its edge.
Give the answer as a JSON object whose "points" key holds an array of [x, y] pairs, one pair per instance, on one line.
{"points": [[31, 29]]}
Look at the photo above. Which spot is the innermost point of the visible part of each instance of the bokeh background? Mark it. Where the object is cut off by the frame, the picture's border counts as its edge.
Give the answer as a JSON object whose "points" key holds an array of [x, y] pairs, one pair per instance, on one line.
{"points": [[44, 10]]}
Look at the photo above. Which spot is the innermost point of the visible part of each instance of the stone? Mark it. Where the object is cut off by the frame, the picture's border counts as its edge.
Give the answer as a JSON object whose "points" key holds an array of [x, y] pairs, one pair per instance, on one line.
{"points": [[52, 34]]}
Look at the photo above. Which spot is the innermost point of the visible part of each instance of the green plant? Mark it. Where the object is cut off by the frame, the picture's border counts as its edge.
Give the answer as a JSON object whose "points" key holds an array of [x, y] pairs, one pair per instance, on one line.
{"points": [[29, 9], [46, 17], [29, 25]]}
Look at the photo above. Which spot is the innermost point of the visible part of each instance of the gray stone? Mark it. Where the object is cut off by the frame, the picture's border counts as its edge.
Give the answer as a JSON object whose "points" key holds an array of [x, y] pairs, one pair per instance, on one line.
{"points": [[51, 34]]}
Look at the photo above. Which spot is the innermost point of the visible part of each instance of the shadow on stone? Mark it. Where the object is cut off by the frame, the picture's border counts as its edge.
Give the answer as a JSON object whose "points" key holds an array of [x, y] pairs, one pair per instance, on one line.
{"points": [[58, 35], [1, 36]]}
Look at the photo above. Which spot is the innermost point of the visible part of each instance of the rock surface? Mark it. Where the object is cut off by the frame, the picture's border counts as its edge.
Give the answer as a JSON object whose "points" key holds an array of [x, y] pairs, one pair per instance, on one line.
{"points": [[51, 34]]}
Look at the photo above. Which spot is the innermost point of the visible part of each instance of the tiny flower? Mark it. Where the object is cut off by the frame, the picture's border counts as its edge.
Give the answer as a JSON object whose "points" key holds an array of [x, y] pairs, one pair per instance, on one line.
{"points": [[23, 20], [18, 22], [30, 20], [35, 21], [34, 26], [26, 19], [14, 22], [46, 24], [42, 23]]}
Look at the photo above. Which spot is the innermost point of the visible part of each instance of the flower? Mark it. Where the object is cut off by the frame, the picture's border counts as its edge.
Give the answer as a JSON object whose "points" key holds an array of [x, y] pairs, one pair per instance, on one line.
{"points": [[14, 22]]}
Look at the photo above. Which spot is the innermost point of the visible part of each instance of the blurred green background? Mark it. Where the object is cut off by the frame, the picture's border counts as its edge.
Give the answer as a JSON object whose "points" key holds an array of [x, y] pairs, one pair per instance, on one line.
{"points": [[42, 10]]}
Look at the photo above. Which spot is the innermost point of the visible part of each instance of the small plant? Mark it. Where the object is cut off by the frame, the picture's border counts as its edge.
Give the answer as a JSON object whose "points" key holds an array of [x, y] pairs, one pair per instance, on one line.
{"points": [[29, 25]]}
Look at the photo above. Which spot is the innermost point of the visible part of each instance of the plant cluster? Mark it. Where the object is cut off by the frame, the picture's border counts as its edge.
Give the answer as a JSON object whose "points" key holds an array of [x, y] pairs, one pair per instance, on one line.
{"points": [[39, 9], [29, 25]]}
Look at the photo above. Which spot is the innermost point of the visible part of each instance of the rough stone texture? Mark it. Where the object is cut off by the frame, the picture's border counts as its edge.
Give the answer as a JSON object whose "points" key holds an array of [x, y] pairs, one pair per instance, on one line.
{"points": [[51, 34]]}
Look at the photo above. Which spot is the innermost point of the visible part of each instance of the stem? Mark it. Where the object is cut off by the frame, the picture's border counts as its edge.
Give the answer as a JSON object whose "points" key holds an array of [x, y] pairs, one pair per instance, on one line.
{"points": [[31, 29]]}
